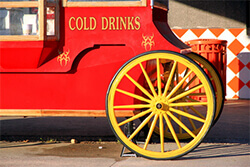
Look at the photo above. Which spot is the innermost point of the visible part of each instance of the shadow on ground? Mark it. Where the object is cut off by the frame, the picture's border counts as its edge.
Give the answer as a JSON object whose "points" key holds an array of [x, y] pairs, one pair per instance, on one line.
{"points": [[218, 150]]}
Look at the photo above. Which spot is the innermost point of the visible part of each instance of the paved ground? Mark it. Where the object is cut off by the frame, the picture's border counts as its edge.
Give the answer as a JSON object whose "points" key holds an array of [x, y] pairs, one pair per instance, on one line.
{"points": [[31, 142]]}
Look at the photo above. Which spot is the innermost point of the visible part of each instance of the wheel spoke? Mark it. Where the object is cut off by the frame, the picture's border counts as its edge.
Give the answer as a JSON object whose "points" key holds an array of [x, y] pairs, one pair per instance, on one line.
{"points": [[193, 100], [186, 93], [135, 117], [197, 94], [178, 85], [197, 112], [170, 78], [158, 76], [190, 99], [148, 80], [161, 132], [181, 124], [132, 106], [151, 130], [187, 115], [134, 95], [145, 121], [139, 86], [169, 124], [191, 81], [187, 104], [189, 119], [186, 72]]}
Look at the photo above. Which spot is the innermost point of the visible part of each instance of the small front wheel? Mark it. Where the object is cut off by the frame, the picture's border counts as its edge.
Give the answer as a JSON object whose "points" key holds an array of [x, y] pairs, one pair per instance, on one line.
{"points": [[161, 104]]}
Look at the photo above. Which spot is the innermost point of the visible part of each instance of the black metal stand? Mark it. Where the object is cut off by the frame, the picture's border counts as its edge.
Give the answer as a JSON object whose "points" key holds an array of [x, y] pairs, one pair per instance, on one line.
{"points": [[128, 154], [128, 131]]}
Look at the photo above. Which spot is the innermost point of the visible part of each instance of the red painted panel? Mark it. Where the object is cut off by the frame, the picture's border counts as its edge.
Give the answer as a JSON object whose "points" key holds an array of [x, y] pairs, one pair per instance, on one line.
{"points": [[20, 54], [84, 88], [75, 72]]}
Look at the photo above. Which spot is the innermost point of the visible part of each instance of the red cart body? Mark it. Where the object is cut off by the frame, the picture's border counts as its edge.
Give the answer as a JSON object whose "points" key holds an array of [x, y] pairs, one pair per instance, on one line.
{"points": [[73, 72]]}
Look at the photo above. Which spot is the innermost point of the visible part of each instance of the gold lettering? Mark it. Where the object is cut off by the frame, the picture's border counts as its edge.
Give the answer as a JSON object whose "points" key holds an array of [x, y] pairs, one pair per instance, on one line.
{"points": [[70, 25], [104, 20], [117, 23], [137, 23], [130, 23], [85, 24], [123, 23], [108, 23], [77, 23], [92, 23], [111, 23]]}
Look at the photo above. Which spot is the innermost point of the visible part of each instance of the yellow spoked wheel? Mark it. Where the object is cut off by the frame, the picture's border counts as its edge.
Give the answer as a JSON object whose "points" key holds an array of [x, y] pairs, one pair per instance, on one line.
{"points": [[162, 105], [216, 81], [219, 92]]}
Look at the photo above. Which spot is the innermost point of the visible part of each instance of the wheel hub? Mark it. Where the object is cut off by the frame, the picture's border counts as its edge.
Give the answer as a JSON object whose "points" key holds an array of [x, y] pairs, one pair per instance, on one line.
{"points": [[159, 106]]}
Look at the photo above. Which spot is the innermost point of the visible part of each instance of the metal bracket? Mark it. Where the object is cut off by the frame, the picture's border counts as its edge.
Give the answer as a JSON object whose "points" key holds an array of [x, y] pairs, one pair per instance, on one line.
{"points": [[128, 154], [128, 128]]}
